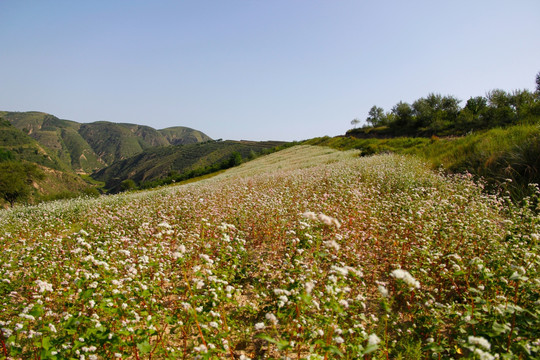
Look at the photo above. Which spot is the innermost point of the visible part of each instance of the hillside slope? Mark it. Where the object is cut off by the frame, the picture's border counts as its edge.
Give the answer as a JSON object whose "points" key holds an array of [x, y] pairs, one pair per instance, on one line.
{"points": [[17, 145], [157, 163], [306, 253], [505, 158], [84, 148]]}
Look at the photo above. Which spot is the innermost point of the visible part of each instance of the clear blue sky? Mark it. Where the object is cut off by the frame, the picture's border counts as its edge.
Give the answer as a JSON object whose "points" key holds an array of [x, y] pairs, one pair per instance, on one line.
{"points": [[254, 69]]}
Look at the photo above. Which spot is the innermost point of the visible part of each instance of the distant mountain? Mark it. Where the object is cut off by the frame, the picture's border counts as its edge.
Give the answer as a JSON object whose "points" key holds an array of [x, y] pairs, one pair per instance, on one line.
{"points": [[84, 148], [17, 145], [160, 162], [180, 135]]}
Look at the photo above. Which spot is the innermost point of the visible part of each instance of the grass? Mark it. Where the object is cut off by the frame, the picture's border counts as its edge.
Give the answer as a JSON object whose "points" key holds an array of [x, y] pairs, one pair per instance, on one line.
{"points": [[307, 253], [506, 158]]}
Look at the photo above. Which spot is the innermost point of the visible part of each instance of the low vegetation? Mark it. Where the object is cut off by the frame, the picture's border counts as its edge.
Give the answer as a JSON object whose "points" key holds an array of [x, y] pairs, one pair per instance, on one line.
{"points": [[505, 158], [165, 165], [308, 253]]}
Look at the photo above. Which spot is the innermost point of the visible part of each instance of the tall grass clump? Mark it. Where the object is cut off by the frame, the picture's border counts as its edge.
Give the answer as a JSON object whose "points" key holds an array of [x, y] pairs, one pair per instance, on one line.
{"points": [[307, 253]]}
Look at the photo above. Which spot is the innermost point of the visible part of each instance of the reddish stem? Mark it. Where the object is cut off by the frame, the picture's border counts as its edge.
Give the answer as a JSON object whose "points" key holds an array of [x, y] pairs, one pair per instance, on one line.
{"points": [[4, 349], [135, 348], [513, 319]]}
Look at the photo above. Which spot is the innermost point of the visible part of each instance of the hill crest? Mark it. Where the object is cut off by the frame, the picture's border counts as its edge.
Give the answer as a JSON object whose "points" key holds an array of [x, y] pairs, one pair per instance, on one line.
{"points": [[87, 147]]}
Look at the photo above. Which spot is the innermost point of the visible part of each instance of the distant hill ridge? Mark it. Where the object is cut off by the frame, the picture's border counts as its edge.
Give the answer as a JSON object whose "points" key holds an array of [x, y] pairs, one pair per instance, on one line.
{"points": [[159, 162], [87, 147]]}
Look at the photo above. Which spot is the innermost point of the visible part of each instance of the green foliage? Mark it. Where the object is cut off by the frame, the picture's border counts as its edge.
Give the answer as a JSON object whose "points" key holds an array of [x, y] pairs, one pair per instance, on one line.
{"points": [[506, 158], [441, 115], [70, 146], [128, 185], [165, 165], [16, 179], [73, 148], [6, 155]]}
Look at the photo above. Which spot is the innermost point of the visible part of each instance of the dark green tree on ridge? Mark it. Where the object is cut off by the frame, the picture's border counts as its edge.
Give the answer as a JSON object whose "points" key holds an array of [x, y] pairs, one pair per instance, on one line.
{"points": [[16, 180]]}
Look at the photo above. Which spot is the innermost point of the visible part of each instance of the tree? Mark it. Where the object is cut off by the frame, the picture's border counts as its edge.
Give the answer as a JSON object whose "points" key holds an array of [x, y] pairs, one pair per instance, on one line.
{"points": [[435, 113], [375, 116], [538, 84], [471, 117], [403, 116], [500, 111], [355, 122], [16, 180], [128, 185], [235, 159]]}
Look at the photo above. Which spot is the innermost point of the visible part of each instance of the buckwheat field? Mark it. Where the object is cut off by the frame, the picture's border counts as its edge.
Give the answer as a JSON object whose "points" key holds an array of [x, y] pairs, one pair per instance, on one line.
{"points": [[307, 253]]}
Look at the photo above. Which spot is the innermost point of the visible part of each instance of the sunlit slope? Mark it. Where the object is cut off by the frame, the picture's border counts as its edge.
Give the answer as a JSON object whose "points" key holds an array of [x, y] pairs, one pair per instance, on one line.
{"points": [[306, 253], [92, 146]]}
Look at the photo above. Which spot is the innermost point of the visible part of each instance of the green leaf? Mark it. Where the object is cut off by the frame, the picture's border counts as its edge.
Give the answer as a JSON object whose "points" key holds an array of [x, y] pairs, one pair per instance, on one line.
{"points": [[281, 344], [369, 349], [46, 343], [500, 328], [36, 312], [144, 347]]}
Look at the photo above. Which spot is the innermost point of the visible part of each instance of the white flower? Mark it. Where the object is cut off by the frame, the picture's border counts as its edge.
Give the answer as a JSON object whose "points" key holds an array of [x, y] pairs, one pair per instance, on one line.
{"points": [[478, 340], [259, 326], [406, 277], [483, 355], [373, 339], [332, 244], [383, 291], [328, 220], [44, 286], [309, 287], [310, 215], [339, 340], [214, 324], [165, 225], [53, 329], [340, 270], [200, 348], [272, 318], [207, 259]]}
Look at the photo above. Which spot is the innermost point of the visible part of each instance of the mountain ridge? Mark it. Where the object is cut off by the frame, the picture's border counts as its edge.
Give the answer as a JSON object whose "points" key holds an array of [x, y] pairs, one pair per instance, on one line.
{"points": [[88, 147]]}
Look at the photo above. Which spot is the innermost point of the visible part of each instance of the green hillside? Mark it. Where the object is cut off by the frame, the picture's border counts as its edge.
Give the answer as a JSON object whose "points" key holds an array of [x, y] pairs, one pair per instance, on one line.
{"points": [[65, 149], [505, 158], [180, 135], [158, 163], [17, 145], [84, 148]]}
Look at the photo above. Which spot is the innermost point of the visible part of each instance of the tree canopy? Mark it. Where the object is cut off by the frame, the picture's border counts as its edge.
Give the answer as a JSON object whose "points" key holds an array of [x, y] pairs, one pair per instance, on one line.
{"points": [[443, 115], [16, 179]]}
